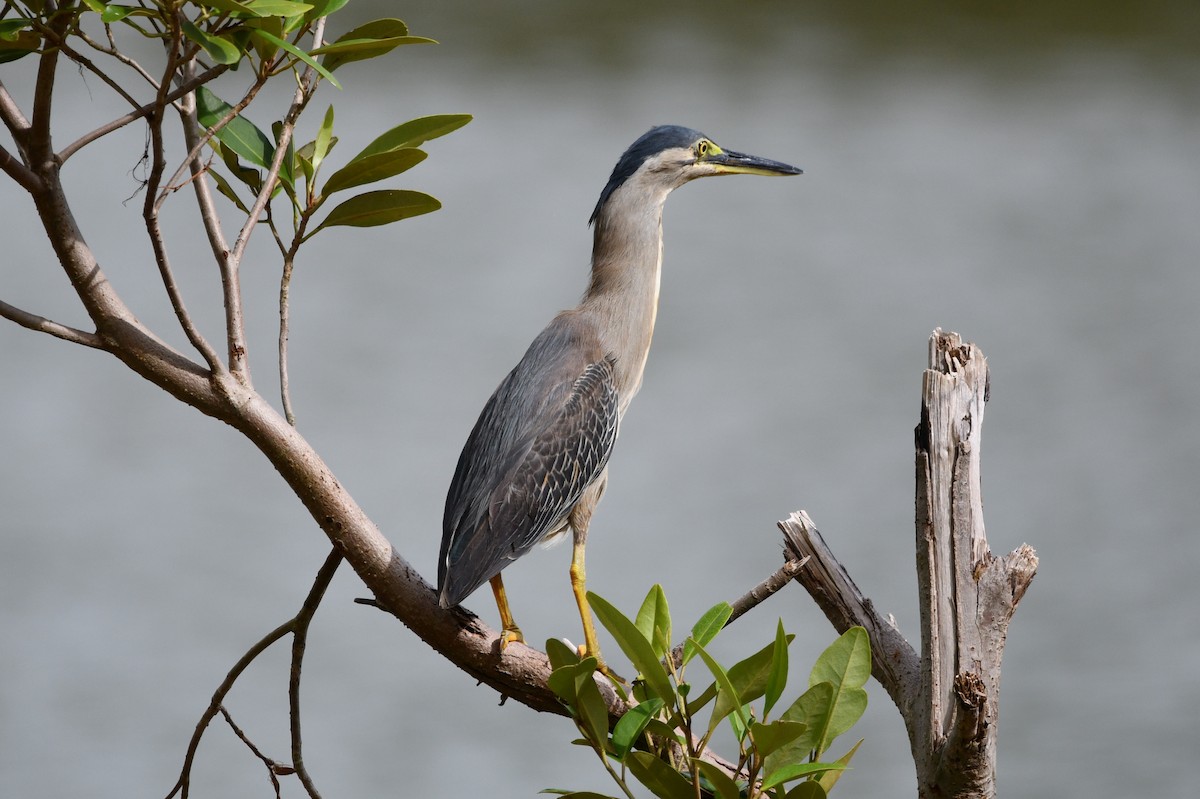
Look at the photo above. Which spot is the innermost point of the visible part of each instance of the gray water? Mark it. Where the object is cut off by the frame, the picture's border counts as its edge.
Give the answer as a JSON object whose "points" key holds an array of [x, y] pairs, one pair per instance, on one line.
{"points": [[1029, 178]]}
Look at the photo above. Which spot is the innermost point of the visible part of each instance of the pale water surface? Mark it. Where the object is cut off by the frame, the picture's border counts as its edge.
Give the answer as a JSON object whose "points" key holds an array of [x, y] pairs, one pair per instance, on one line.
{"points": [[1029, 179]]}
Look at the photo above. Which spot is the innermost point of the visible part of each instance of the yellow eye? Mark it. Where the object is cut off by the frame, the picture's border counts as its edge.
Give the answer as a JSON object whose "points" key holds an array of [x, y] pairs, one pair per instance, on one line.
{"points": [[702, 147]]}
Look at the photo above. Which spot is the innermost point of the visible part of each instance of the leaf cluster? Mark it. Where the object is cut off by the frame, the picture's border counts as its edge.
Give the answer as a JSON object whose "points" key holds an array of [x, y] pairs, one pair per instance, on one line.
{"points": [[661, 740]]}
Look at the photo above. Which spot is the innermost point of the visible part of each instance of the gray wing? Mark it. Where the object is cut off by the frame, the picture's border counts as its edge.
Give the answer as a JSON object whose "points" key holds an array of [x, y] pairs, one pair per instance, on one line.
{"points": [[544, 436]]}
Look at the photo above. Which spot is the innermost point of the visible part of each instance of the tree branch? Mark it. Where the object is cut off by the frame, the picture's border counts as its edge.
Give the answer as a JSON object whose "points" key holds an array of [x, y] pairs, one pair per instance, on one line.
{"points": [[150, 208], [234, 328], [894, 663], [23, 176], [140, 112], [297, 627], [950, 697], [753, 598], [10, 112], [44, 325], [299, 640], [38, 140]]}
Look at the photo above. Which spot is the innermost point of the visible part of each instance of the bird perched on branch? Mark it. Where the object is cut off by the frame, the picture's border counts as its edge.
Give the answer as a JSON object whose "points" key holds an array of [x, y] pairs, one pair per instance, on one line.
{"points": [[535, 465]]}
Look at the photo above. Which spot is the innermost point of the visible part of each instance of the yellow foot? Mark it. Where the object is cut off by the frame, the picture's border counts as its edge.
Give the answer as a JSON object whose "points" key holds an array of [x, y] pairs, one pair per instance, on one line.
{"points": [[510, 634], [601, 666]]}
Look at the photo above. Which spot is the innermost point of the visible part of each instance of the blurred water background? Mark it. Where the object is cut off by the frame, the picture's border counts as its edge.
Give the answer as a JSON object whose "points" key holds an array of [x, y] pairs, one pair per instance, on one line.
{"points": [[1025, 174]]}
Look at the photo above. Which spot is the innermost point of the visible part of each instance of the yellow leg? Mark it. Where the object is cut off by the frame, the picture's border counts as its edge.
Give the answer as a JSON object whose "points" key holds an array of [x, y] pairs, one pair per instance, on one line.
{"points": [[579, 586], [509, 631]]}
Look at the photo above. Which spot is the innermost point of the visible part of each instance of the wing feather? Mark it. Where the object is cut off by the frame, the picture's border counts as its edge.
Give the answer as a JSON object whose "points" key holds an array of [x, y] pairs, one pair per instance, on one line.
{"points": [[544, 436]]}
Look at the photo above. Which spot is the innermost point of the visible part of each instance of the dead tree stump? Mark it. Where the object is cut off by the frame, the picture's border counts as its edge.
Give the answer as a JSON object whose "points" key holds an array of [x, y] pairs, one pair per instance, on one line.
{"points": [[949, 694]]}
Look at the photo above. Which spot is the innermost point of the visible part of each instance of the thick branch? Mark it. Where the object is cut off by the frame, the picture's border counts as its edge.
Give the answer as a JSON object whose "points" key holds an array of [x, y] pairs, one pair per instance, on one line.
{"points": [[894, 663], [967, 594], [14, 120], [116, 326], [950, 697]]}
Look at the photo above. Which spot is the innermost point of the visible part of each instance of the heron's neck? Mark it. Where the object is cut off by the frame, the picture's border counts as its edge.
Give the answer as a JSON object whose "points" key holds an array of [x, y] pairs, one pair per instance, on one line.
{"points": [[623, 293]]}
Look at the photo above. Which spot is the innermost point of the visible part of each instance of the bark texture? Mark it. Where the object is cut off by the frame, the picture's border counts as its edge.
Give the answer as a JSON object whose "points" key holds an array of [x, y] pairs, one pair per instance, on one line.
{"points": [[949, 693]]}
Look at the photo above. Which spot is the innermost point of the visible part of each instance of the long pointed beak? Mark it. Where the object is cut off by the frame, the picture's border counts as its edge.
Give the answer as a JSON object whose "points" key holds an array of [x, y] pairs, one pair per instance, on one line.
{"points": [[728, 162]]}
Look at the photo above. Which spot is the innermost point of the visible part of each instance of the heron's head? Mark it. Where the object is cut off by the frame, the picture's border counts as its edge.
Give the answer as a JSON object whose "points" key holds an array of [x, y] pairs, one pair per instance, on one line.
{"points": [[668, 156]]}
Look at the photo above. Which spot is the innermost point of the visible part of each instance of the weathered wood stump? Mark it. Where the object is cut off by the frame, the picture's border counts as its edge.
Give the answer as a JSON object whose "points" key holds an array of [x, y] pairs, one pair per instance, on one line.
{"points": [[949, 694]]}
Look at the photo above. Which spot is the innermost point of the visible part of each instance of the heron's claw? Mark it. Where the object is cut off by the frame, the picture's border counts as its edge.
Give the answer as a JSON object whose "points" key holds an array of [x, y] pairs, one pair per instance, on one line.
{"points": [[510, 634]]}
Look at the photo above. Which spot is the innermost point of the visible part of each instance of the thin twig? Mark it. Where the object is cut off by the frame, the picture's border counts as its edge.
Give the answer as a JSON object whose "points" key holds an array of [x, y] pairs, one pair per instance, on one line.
{"points": [[304, 92], [43, 325], [218, 698], [766, 589], [87, 63], [112, 51], [140, 112], [150, 214], [754, 597], [299, 640], [268, 762], [285, 283], [297, 625], [210, 218]]}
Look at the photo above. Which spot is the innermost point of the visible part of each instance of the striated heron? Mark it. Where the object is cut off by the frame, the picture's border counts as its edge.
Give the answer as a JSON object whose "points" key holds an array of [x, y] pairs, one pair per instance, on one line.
{"points": [[535, 465]]}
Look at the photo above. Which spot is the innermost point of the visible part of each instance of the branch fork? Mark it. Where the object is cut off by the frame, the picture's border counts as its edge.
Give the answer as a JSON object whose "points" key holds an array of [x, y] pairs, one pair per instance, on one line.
{"points": [[949, 693]]}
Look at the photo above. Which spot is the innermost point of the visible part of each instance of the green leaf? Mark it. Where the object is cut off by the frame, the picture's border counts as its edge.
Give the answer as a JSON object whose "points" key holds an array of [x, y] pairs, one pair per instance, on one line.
{"points": [[666, 732], [654, 621], [373, 39], [21, 44], [578, 794], [562, 683], [227, 190], [324, 8], [705, 630], [415, 132], [635, 646], [324, 140], [770, 737], [11, 28], [228, 6], [724, 705], [271, 38], [846, 665], [113, 14], [373, 168], [662, 780], [694, 706], [593, 712], [848, 659], [795, 771], [724, 785], [809, 789], [277, 8], [631, 725], [777, 679], [239, 135], [748, 678], [250, 177], [287, 166], [219, 49], [812, 708], [560, 654], [830, 778], [379, 208]]}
